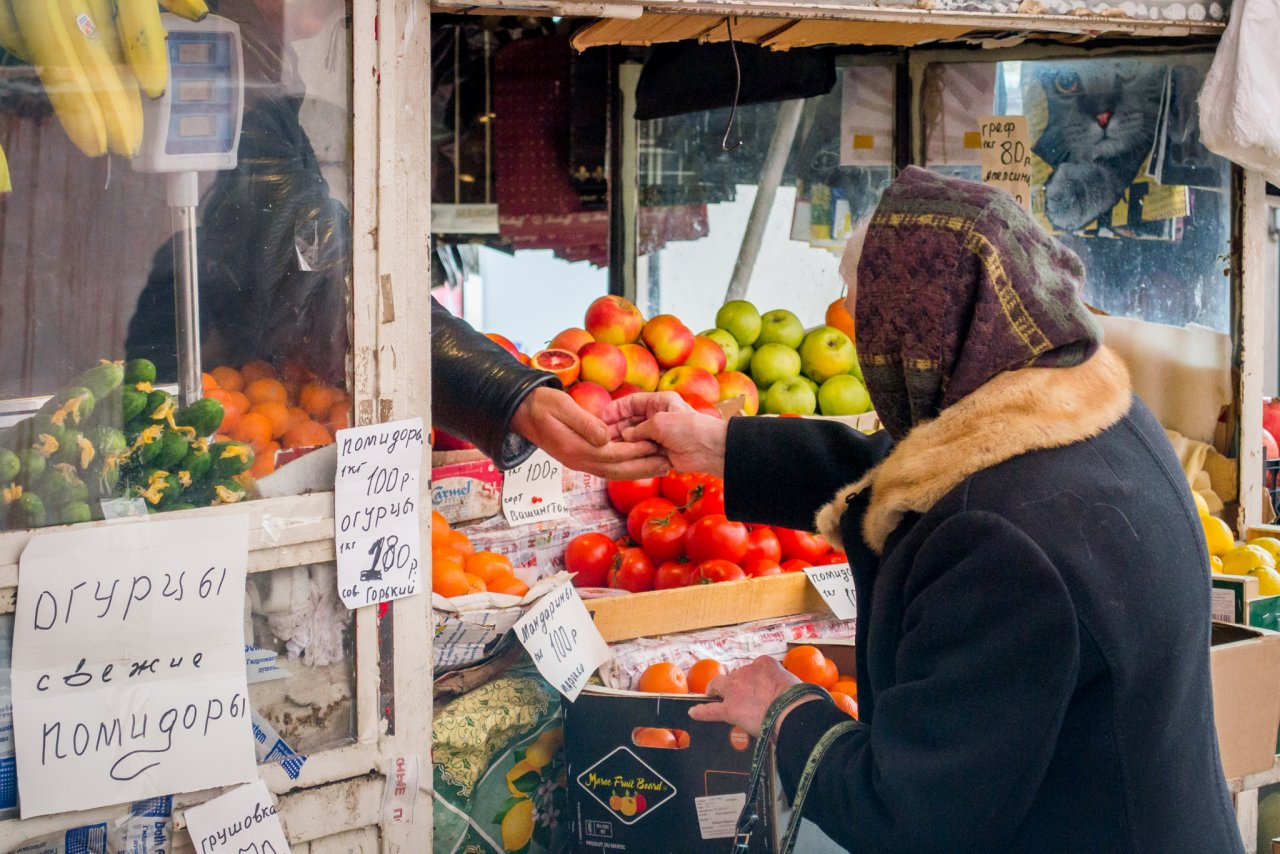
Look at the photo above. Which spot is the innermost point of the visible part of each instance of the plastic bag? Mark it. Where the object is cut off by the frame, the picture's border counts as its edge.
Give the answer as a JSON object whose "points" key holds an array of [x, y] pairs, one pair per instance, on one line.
{"points": [[1240, 99]]}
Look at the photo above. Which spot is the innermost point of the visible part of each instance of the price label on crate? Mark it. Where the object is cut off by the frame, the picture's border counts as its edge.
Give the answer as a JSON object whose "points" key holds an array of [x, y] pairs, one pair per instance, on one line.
{"points": [[534, 491], [376, 501], [1006, 156], [563, 642], [834, 584]]}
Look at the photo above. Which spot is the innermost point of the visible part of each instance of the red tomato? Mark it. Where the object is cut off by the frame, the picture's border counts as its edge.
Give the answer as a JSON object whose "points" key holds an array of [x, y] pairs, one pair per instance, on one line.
{"points": [[709, 503], [762, 544], [626, 494], [662, 537], [642, 511], [591, 557], [714, 570], [676, 485], [715, 537], [801, 545], [795, 565], [632, 570], [671, 574], [831, 558], [760, 567]]}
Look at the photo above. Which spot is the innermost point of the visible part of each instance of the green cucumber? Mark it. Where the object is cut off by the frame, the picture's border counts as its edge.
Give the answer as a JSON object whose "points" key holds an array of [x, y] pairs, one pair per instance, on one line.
{"points": [[205, 416], [230, 458], [139, 371]]}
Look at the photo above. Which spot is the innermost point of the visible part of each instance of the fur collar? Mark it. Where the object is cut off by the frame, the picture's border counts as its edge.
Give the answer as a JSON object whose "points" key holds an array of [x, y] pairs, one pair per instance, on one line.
{"points": [[1018, 411]]}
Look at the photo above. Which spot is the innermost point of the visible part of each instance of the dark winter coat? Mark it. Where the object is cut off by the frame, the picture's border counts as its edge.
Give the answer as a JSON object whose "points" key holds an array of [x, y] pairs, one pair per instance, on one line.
{"points": [[1033, 623]]}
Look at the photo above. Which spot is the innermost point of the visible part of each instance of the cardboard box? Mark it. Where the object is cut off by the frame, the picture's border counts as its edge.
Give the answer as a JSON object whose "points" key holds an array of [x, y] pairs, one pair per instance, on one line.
{"points": [[624, 797], [704, 606], [1245, 665], [466, 488]]}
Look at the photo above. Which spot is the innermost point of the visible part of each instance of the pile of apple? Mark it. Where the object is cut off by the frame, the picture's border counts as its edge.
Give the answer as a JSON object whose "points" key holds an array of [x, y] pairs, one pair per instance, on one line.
{"points": [[678, 536]]}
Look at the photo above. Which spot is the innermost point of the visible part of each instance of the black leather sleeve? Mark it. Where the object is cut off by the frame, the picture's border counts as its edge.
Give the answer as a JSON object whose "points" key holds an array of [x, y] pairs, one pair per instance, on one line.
{"points": [[476, 388]]}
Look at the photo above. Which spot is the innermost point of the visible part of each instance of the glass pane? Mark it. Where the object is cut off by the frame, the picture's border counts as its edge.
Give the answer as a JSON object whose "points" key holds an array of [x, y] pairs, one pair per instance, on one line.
{"points": [[1118, 172], [91, 235]]}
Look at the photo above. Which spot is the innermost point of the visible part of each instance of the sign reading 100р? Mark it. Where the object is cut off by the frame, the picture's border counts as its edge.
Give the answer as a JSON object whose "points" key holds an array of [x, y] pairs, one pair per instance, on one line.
{"points": [[376, 500]]}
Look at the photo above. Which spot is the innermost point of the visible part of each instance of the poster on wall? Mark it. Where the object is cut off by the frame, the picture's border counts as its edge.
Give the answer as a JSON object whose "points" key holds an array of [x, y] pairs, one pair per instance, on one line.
{"points": [[866, 115], [955, 95]]}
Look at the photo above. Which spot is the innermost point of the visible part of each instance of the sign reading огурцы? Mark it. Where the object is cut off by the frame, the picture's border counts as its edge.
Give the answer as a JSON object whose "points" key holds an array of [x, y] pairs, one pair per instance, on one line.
{"points": [[376, 501], [128, 663]]}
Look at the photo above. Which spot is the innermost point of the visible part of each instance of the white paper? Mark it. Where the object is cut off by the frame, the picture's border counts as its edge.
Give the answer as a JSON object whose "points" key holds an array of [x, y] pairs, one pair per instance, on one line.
{"points": [[128, 663], [401, 790], [534, 491], [834, 584], [1223, 605], [243, 821], [376, 512], [263, 665], [718, 814], [1006, 156], [867, 116], [564, 643]]}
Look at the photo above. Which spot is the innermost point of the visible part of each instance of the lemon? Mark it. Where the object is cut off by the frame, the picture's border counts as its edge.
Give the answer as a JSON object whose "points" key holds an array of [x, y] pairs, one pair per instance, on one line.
{"points": [[1268, 580], [522, 779], [1215, 563], [517, 825], [1217, 535], [1201, 504], [1242, 560], [1271, 544]]}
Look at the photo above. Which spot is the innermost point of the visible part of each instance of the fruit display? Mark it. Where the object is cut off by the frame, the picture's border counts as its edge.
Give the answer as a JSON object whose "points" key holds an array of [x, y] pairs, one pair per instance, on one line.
{"points": [[678, 536], [111, 434], [457, 569], [1259, 556]]}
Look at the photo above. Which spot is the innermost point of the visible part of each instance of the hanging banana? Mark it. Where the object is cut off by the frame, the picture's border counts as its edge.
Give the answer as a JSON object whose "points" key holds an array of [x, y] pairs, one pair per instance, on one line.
{"points": [[6, 186], [120, 103], [192, 10], [10, 37], [54, 57], [143, 36]]}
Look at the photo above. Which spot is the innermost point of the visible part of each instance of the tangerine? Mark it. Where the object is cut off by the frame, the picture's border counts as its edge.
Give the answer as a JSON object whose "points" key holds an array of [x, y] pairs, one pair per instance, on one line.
{"points": [[295, 373], [340, 415], [448, 558], [474, 584], [506, 582], [228, 378], [701, 674], [307, 434], [256, 370], [487, 565], [460, 542], [831, 677], [207, 382], [277, 414], [318, 399], [648, 736], [231, 410], [297, 415], [449, 582], [265, 462], [845, 703], [838, 316], [439, 526], [255, 429], [846, 685], [663, 678], [682, 738], [266, 390], [806, 663]]}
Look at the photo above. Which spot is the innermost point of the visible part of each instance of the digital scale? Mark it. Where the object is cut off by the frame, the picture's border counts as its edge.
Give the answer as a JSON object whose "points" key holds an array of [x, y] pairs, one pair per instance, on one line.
{"points": [[193, 127]]}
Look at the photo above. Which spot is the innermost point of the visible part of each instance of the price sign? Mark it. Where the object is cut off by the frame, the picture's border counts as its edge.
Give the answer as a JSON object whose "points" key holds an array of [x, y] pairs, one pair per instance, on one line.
{"points": [[243, 821], [534, 491], [1006, 156], [376, 511], [564, 643], [834, 584]]}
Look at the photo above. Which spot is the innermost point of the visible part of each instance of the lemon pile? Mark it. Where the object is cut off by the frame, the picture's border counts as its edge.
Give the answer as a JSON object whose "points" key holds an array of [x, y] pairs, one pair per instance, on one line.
{"points": [[1257, 557]]}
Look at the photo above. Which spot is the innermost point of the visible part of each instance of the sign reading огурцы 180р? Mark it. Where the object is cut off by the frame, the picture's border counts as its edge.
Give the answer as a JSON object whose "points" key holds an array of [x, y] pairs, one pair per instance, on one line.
{"points": [[376, 502], [128, 663]]}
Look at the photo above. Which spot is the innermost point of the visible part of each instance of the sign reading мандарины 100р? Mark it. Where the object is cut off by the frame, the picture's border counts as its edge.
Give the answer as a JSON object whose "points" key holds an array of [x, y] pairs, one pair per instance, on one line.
{"points": [[128, 663]]}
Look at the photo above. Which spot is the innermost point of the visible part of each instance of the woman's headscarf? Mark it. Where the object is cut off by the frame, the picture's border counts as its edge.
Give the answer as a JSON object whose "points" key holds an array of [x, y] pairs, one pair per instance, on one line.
{"points": [[957, 283]]}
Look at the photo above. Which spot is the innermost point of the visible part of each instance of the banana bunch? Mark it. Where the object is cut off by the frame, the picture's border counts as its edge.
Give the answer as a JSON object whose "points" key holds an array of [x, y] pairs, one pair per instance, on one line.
{"points": [[95, 59]]}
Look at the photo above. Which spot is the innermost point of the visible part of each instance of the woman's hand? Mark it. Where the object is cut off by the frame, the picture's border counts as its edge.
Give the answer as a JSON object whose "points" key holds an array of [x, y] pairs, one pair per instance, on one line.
{"points": [[746, 694], [690, 440], [554, 422]]}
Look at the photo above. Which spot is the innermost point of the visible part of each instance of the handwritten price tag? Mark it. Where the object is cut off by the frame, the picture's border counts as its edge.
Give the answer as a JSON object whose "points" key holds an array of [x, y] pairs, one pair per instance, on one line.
{"points": [[376, 511], [534, 491], [243, 821], [564, 643], [1006, 156], [834, 584]]}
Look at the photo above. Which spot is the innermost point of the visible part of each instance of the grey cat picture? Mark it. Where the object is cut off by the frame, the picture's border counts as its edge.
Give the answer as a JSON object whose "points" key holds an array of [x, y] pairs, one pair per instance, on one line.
{"points": [[1101, 126]]}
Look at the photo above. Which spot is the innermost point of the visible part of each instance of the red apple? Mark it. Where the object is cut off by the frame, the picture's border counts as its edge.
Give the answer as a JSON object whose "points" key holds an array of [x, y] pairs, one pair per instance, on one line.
{"points": [[504, 342], [707, 354], [689, 383], [1271, 415], [590, 396], [625, 389], [613, 320], [603, 364], [572, 339], [735, 383], [669, 339], [642, 368]]}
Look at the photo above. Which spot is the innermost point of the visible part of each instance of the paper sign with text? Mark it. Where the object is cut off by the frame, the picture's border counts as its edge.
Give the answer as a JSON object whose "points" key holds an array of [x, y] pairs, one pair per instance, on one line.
{"points": [[128, 663], [1006, 156], [534, 491], [401, 791], [834, 584], [564, 643], [243, 821], [376, 501]]}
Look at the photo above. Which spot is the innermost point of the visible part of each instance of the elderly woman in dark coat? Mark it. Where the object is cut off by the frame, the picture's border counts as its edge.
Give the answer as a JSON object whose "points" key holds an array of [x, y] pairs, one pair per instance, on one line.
{"points": [[1032, 582]]}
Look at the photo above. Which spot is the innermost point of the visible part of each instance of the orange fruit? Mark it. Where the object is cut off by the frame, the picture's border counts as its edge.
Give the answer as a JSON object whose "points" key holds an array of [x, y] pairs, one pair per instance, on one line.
{"points": [[701, 674], [649, 736], [231, 409], [447, 559], [682, 739], [228, 378], [297, 415], [266, 390], [806, 663], [459, 541], [663, 678], [506, 582], [846, 704], [277, 414], [487, 565], [265, 463], [340, 415], [306, 434], [846, 685], [439, 526], [207, 382], [839, 317], [474, 584], [318, 399], [449, 581], [293, 372], [256, 370], [831, 677], [562, 363], [254, 428]]}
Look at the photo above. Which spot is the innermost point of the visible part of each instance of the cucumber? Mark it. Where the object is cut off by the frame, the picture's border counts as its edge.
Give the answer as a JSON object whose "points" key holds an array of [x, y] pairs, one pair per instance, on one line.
{"points": [[139, 371], [132, 403], [196, 463], [150, 450], [73, 513], [205, 416], [158, 488], [230, 458], [70, 406], [173, 448], [9, 466], [27, 512], [101, 380], [33, 467], [155, 403], [68, 448], [108, 441], [60, 485], [227, 491]]}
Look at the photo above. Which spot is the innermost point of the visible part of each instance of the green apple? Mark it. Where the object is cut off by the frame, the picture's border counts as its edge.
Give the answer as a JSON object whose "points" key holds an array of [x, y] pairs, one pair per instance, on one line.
{"points": [[790, 397], [780, 327], [744, 358], [727, 343], [741, 320], [856, 370], [843, 394], [826, 352], [774, 362], [813, 386]]}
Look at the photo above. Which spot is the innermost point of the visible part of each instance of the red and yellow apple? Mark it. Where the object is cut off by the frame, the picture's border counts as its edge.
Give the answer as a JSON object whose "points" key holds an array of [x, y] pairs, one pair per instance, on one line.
{"points": [[613, 320], [642, 368], [691, 384], [590, 396], [572, 339], [707, 354], [603, 364], [668, 339], [737, 384]]}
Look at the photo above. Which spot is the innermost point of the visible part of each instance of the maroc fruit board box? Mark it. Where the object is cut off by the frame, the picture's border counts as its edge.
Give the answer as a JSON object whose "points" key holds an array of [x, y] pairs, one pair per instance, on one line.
{"points": [[630, 791], [1245, 667]]}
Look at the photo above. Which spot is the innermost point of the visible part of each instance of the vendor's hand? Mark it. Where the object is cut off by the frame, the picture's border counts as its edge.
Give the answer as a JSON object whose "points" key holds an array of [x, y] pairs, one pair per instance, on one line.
{"points": [[554, 422], [746, 694], [691, 441]]}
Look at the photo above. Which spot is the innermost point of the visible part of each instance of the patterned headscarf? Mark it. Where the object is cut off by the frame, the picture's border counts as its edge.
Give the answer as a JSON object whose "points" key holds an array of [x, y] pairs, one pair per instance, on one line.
{"points": [[956, 284]]}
